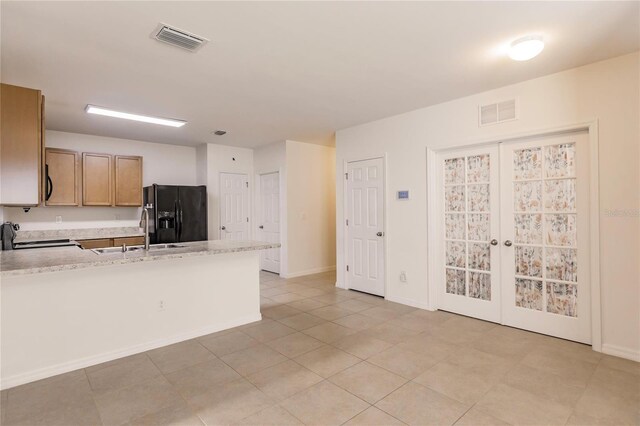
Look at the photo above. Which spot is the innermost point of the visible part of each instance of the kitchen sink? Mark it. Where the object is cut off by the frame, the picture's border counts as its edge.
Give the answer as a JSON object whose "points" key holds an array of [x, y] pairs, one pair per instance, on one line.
{"points": [[152, 247]]}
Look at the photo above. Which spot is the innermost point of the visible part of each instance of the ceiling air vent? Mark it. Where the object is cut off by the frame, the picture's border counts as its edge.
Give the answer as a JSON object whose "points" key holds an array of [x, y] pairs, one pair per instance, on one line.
{"points": [[497, 113], [179, 38]]}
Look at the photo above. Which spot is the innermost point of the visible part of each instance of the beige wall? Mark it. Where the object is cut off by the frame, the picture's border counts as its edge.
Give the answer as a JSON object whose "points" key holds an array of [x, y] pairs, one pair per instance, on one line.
{"points": [[307, 204], [270, 158], [162, 164], [606, 91], [310, 208]]}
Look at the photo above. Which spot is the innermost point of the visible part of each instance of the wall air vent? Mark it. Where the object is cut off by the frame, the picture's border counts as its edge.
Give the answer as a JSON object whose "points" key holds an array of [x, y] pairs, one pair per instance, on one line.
{"points": [[178, 38], [497, 113]]}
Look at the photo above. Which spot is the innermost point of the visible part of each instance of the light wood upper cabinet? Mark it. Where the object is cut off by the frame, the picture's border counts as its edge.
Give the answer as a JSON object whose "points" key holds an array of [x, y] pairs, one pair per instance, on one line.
{"points": [[21, 144], [128, 180], [62, 177], [97, 179]]}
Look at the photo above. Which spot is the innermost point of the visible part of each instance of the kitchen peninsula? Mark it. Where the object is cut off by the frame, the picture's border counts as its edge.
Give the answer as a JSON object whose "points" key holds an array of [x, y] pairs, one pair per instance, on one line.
{"points": [[66, 308]]}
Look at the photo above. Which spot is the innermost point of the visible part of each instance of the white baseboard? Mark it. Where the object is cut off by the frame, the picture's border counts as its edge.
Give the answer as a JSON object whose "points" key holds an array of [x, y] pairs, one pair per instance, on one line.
{"points": [[396, 299], [621, 352], [43, 373], [408, 302], [310, 272]]}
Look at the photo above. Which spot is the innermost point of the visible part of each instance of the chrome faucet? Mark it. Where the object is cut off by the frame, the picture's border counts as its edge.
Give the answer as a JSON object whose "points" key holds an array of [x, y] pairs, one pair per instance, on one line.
{"points": [[144, 223]]}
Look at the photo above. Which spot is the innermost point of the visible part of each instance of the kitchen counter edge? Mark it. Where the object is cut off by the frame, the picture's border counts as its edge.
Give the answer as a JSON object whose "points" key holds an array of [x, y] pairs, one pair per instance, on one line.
{"points": [[16, 263]]}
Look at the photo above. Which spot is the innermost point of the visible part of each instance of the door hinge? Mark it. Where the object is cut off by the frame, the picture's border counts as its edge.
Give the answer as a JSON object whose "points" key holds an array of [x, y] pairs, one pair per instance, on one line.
{"points": [[247, 219], [347, 268], [347, 222], [247, 184], [346, 176]]}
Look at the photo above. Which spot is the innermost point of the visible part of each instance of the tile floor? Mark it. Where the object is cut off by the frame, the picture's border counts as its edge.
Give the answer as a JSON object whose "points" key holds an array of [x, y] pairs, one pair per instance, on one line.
{"points": [[326, 356]]}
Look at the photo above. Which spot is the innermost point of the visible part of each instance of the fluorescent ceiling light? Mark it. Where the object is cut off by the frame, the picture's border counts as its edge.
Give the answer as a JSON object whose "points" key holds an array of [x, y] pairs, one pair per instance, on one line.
{"points": [[526, 48], [91, 109]]}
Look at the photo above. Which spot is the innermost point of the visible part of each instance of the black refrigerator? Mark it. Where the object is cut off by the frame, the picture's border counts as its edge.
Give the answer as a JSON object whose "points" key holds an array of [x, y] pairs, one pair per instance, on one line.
{"points": [[179, 213]]}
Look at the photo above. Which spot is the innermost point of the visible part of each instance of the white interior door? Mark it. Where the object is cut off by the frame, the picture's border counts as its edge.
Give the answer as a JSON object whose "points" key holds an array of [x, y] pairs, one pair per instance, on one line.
{"points": [[545, 236], [365, 226], [234, 207], [469, 208], [269, 226]]}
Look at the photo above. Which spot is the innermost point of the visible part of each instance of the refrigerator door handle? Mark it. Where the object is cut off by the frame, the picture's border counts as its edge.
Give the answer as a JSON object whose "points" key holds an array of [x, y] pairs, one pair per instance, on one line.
{"points": [[181, 217], [176, 212]]}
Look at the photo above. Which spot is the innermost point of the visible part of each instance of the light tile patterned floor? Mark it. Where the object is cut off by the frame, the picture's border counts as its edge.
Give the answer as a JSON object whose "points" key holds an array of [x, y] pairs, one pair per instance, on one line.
{"points": [[326, 356]]}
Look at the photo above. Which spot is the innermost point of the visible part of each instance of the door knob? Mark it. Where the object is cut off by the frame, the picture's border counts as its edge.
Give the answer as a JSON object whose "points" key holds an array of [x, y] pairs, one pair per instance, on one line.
{"points": [[261, 227], [380, 234], [494, 242], [223, 227], [508, 243]]}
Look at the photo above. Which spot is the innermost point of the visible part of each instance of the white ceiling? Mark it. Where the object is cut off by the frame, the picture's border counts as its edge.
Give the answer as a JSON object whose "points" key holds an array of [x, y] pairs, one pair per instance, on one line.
{"points": [[286, 70]]}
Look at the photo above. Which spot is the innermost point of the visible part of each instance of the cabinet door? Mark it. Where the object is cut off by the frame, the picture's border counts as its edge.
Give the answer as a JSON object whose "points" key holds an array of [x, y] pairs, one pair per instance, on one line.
{"points": [[128, 180], [20, 146], [130, 241], [94, 244], [41, 155], [97, 181], [62, 180]]}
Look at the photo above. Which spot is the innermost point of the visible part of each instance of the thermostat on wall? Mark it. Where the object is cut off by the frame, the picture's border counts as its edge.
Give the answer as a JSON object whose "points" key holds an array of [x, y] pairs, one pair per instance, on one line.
{"points": [[403, 195]]}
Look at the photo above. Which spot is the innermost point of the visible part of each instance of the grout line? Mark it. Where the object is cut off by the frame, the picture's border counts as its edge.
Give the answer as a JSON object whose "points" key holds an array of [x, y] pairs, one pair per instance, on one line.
{"points": [[463, 414], [517, 362], [573, 409], [93, 396]]}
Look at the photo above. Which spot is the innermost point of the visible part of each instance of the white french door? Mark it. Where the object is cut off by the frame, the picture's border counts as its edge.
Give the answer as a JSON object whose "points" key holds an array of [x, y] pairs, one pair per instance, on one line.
{"points": [[545, 233], [365, 226], [269, 226], [514, 246], [470, 212], [234, 207]]}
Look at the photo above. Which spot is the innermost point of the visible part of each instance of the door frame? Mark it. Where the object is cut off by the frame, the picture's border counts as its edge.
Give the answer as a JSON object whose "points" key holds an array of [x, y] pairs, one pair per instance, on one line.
{"points": [[434, 245], [249, 204], [345, 209], [282, 210]]}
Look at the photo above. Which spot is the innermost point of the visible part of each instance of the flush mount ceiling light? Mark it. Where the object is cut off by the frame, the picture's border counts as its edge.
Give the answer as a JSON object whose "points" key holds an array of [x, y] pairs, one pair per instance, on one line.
{"points": [[526, 48], [91, 109], [220, 132]]}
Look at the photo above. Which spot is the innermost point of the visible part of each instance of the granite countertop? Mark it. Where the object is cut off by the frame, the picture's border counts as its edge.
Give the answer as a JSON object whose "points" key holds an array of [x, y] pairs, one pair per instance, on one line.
{"points": [[79, 234], [35, 261]]}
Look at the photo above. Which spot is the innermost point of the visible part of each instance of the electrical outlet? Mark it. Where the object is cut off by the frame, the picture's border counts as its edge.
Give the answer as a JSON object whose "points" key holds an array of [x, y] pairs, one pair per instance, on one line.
{"points": [[403, 277], [161, 305], [58, 219]]}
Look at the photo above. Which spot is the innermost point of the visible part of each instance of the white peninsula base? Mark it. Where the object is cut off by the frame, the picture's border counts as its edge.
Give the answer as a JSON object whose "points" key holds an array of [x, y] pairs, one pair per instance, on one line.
{"points": [[56, 322]]}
